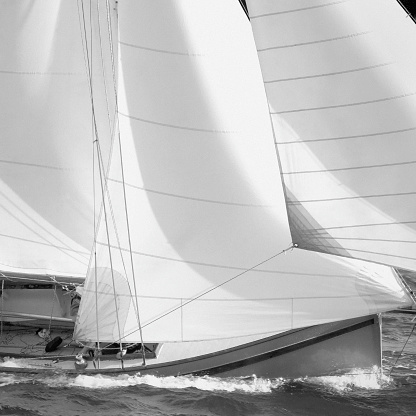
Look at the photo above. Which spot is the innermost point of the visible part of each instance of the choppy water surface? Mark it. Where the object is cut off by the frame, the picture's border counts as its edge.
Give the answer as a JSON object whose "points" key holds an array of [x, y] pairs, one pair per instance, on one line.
{"points": [[359, 393]]}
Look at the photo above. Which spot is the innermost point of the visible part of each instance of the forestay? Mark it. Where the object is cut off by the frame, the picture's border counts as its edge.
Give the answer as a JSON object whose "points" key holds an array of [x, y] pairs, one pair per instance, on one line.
{"points": [[341, 84], [203, 196]]}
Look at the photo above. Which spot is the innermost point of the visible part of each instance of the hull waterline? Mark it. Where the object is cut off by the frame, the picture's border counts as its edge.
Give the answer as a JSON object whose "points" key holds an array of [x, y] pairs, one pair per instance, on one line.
{"points": [[325, 349]]}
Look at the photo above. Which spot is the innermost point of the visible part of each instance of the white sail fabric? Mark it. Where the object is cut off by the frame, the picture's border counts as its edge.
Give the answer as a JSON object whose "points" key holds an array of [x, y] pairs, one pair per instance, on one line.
{"points": [[204, 198], [46, 192], [341, 84]]}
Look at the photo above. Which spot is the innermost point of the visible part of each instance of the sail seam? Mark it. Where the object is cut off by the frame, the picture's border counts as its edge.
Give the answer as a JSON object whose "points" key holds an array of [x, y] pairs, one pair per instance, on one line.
{"points": [[41, 73], [384, 165], [219, 266], [379, 100], [363, 225], [210, 201], [328, 74], [299, 202], [33, 165], [334, 3], [313, 236], [314, 42], [177, 127], [360, 136], [48, 244], [330, 249], [352, 296], [161, 50]]}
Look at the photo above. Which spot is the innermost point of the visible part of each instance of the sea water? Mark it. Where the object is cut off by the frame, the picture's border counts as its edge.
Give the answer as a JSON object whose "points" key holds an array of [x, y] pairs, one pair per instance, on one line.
{"points": [[361, 392]]}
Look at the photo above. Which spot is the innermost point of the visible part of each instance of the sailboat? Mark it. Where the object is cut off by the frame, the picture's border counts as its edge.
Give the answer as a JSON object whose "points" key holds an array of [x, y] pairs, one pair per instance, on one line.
{"points": [[212, 188]]}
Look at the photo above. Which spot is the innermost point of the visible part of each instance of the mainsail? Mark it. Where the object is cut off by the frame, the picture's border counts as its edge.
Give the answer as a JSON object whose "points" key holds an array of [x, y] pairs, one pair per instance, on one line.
{"points": [[341, 86], [193, 236]]}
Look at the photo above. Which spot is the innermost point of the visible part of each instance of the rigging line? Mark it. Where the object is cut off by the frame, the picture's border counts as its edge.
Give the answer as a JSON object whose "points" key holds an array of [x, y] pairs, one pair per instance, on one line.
{"points": [[334, 3], [384, 165], [313, 42], [111, 129], [404, 346], [103, 69], [83, 39], [360, 136], [123, 182], [113, 218], [330, 107], [216, 287], [102, 181], [328, 74], [89, 69], [94, 251], [110, 255]]}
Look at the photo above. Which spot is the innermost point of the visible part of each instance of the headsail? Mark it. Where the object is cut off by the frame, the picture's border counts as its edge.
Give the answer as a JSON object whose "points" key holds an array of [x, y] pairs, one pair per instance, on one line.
{"points": [[46, 188], [203, 196], [341, 85]]}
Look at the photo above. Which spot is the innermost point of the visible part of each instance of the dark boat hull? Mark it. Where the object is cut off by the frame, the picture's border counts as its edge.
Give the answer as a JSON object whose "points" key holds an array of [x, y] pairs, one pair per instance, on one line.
{"points": [[332, 348]]}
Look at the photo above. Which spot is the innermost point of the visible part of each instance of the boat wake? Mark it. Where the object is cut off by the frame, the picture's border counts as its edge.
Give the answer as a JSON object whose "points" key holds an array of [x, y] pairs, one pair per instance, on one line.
{"points": [[360, 379], [357, 379]]}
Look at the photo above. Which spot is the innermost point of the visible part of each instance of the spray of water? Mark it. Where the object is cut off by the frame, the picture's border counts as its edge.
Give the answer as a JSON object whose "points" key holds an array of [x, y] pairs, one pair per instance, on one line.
{"points": [[370, 379]]}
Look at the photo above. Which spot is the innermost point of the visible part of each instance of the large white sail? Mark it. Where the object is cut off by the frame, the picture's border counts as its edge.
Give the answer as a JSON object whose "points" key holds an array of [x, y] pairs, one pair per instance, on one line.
{"points": [[206, 213], [46, 188], [341, 85]]}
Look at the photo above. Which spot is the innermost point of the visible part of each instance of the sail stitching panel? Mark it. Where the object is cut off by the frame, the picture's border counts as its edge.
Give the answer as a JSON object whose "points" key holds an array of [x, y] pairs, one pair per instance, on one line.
{"points": [[328, 74], [359, 136], [211, 201], [303, 9], [330, 107], [157, 123], [314, 42], [384, 165]]}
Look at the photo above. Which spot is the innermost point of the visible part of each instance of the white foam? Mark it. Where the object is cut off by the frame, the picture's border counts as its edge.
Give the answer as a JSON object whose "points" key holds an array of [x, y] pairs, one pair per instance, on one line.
{"points": [[370, 379], [247, 385], [14, 362], [8, 379]]}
